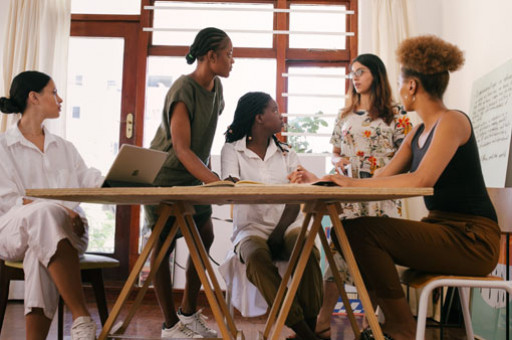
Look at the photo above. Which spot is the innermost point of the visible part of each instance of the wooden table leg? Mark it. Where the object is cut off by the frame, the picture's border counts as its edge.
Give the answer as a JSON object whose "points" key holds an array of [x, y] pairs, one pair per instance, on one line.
{"points": [[299, 270], [139, 264], [354, 271], [142, 291], [339, 284], [276, 306], [216, 287], [200, 267]]}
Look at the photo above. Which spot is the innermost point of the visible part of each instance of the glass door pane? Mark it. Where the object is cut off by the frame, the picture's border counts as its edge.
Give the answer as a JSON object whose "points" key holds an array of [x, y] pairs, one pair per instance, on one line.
{"points": [[93, 111]]}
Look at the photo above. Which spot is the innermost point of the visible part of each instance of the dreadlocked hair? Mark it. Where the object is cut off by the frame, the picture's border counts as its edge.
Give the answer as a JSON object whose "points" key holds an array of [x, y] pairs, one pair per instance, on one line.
{"points": [[207, 39], [249, 105]]}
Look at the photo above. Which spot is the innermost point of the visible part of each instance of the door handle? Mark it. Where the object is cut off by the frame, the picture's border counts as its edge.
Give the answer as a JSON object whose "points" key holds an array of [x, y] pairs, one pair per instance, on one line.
{"points": [[129, 126]]}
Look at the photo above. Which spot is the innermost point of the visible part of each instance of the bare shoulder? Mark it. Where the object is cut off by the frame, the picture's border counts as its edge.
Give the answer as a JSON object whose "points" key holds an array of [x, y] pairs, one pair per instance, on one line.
{"points": [[456, 123], [455, 118]]}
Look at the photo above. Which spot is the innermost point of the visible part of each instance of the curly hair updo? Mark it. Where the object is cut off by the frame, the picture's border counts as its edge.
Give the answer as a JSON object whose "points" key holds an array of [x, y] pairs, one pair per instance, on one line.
{"points": [[430, 59]]}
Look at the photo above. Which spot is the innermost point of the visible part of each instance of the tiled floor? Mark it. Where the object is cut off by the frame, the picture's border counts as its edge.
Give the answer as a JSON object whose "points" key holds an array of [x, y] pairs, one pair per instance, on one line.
{"points": [[148, 320]]}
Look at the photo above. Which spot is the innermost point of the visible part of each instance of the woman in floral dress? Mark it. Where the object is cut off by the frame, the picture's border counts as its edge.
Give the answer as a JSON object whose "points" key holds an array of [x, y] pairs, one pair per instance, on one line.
{"points": [[366, 136], [366, 145]]}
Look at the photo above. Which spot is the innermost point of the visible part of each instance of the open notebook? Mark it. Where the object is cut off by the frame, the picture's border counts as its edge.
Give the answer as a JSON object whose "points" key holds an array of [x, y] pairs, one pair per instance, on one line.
{"points": [[134, 167]]}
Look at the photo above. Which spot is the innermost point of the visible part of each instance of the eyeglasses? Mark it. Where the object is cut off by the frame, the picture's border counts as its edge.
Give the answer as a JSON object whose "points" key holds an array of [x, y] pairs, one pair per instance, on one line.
{"points": [[357, 73]]}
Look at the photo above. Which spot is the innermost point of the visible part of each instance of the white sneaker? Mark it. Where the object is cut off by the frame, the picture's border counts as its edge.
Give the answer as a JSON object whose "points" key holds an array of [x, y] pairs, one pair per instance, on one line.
{"points": [[197, 323], [179, 330], [83, 328]]}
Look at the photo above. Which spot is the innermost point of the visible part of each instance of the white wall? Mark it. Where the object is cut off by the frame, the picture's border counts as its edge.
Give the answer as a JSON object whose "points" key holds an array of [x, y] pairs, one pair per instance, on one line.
{"points": [[480, 28], [482, 31]]}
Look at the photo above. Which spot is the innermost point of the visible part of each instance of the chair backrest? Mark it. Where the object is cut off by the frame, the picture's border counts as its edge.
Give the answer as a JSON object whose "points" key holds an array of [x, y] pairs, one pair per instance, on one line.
{"points": [[502, 200]]}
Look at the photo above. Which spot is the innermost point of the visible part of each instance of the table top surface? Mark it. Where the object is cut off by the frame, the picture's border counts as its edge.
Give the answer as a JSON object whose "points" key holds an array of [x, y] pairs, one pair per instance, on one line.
{"points": [[239, 194]]}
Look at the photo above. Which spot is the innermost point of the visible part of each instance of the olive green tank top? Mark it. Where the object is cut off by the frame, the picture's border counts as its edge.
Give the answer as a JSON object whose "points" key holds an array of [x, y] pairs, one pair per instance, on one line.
{"points": [[204, 108]]}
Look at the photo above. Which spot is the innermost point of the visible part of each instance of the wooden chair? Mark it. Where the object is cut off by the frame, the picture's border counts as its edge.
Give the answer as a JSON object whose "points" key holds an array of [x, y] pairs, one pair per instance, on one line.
{"points": [[91, 269], [502, 198]]}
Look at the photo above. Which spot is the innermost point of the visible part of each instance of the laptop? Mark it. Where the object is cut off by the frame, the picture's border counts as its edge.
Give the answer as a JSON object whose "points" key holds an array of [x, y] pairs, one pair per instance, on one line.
{"points": [[134, 167]]}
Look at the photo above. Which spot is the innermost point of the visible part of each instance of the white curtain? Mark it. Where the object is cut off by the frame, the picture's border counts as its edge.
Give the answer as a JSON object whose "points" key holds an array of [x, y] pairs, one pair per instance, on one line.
{"points": [[35, 37], [392, 22]]}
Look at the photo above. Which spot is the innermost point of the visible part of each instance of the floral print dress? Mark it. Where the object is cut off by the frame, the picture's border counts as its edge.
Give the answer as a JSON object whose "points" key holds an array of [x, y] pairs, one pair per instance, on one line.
{"points": [[370, 144]]}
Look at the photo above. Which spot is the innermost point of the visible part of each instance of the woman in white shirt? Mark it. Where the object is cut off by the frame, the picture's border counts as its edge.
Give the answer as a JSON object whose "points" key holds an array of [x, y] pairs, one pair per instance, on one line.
{"points": [[264, 233], [47, 236]]}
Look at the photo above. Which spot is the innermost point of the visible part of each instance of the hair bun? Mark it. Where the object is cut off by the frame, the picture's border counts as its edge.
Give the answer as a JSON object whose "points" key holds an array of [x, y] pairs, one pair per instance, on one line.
{"points": [[190, 58], [7, 106], [429, 54]]}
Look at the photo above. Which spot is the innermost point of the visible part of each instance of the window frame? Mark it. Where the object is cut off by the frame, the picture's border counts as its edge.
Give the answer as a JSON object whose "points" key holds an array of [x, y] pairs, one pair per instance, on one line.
{"points": [[128, 245], [285, 56]]}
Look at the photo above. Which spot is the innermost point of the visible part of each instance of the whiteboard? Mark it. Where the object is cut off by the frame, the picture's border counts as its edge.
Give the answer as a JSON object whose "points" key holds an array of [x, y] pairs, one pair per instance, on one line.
{"points": [[491, 115]]}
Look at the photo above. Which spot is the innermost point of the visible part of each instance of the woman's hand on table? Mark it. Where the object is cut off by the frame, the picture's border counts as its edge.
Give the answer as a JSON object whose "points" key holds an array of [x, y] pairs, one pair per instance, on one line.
{"points": [[301, 175], [341, 180]]}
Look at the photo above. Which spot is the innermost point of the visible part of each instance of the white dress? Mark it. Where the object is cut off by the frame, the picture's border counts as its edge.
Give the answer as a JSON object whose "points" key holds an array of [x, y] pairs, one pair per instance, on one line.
{"points": [[32, 232]]}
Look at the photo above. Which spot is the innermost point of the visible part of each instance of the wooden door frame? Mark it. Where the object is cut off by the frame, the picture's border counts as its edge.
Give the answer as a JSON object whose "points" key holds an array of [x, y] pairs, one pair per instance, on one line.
{"points": [[127, 27]]}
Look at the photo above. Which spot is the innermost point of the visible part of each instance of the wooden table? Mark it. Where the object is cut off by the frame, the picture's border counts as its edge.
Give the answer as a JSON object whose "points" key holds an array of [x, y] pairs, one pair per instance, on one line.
{"points": [[179, 201]]}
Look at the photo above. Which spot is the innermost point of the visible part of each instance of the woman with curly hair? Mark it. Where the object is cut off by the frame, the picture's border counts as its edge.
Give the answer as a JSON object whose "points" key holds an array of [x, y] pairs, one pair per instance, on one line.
{"points": [[460, 235]]}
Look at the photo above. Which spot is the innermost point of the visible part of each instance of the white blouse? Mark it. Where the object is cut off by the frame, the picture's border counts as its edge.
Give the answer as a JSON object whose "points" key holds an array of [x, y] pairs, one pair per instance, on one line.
{"points": [[23, 166], [242, 163]]}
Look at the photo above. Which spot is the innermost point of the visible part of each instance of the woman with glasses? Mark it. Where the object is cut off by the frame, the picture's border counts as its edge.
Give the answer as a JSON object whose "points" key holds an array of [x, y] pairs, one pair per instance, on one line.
{"points": [[368, 132]]}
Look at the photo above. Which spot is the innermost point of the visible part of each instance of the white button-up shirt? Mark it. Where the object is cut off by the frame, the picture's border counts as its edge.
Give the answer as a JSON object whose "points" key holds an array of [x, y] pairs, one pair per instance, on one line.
{"points": [[242, 163], [23, 166]]}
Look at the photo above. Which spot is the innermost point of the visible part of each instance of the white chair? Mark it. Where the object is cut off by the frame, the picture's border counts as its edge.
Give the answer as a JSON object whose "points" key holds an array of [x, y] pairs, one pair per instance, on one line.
{"points": [[502, 199], [240, 292], [428, 282]]}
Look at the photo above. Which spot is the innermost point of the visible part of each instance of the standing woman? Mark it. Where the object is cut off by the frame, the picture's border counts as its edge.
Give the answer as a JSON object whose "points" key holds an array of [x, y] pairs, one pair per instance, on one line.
{"points": [[366, 136], [189, 119], [47, 236], [460, 235]]}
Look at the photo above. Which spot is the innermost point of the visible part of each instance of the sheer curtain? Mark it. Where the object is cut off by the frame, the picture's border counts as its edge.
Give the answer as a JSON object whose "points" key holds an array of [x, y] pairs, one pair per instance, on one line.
{"points": [[35, 37], [392, 22]]}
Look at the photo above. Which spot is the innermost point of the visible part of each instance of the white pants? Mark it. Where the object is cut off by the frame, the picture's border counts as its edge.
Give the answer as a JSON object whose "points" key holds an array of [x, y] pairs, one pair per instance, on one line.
{"points": [[31, 233]]}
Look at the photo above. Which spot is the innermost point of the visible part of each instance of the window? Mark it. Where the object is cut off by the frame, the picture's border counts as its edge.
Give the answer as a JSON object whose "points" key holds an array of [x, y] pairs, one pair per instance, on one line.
{"points": [[298, 51], [178, 22], [105, 7], [315, 95], [261, 72], [321, 27]]}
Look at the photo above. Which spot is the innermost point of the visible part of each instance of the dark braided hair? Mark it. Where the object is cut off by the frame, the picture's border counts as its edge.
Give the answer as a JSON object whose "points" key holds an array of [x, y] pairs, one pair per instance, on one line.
{"points": [[249, 105], [207, 39], [21, 86]]}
